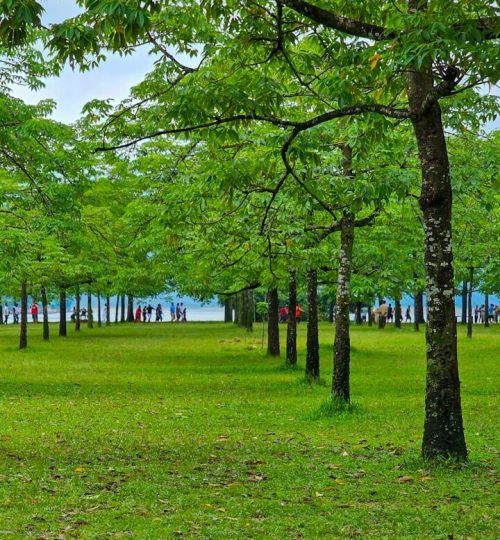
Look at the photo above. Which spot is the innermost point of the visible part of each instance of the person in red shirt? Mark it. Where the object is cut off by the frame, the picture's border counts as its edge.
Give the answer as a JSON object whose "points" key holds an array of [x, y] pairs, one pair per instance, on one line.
{"points": [[138, 313], [34, 312], [298, 311], [283, 314]]}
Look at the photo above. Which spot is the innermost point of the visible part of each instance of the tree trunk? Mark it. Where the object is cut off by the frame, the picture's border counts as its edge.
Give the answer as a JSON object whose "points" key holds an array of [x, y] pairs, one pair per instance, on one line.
{"points": [[464, 302], [108, 308], [237, 309], [63, 331], [117, 307], [359, 319], [99, 319], [416, 307], [1, 310], [291, 327], [247, 311], [45, 313], [90, 313], [342, 343], [23, 334], [228, 310], [370, 316], [443, 426], [77, 309], [380, 319], [122, 302], [469, 303], [130, 309], [397, 311], [486, 313], [331, 311], [419, 313], [312, 353], [273, 320]]}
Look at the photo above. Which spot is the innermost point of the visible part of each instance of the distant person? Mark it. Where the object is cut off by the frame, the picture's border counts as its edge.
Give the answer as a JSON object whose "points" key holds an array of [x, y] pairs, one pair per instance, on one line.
{"points": [[177, 312], [144, 313], [383, 311], [476, 314], [138, 313], [159, 313], [83, 314], [375, 314], [482, 314], [172, 312], [408, 314], [390, 313], [491, 312], [183, 313], [497, 313], [34, 312], [73, 314], [6, 313], [15, 314], [298, 312], [283, 314], [105, 311], [150, 312]]}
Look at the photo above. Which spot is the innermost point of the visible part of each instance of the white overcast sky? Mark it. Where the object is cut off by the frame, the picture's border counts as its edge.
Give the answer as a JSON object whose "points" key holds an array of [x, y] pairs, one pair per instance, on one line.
{"points": [[72, 89]]}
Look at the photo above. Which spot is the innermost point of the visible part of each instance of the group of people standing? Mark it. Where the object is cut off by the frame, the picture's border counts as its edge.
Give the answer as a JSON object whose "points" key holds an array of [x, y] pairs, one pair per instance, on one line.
{"points": [[283, 313], [145, 313], [178, 312], [16, 311], [491, 311], [386, 313]]}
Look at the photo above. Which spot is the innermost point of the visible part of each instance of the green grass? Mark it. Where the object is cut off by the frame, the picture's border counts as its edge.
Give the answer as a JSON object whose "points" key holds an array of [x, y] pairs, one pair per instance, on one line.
{"points": [[189, 431]]}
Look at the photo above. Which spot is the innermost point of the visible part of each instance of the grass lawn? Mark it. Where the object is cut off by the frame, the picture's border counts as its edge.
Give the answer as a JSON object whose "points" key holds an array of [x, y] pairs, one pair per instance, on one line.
{"points": [[189, 431]]}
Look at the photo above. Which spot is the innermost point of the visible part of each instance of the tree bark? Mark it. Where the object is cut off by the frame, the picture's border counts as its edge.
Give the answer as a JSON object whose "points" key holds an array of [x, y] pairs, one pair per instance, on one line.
{"points": [[237, 309], [23, 330], [464, 302], [1, 310], [331, 310], [273, 320], [342, 343], [469, 303], [416, 307], [45, 314], [247, 310], [370, 316], [443, 427], [228, 310], [397, 311], [291, 327], [77, 309], [359, 319], [108, 308], [117, 307], [63, 331], [380, 319], [130, 309], [312, 353], [99, 319], [122, 302], [90, 313]]}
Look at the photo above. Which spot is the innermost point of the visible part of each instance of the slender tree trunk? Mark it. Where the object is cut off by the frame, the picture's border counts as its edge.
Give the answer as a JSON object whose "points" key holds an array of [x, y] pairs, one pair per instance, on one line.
{"points": [[63, 331], [117, 307], [419, 314], [443, 427], [45, 314], [77, 309], [23, 334], [380, 319], [370, 315], [312, 353], [122, 302], [416, 307], [273, 320], [469, 303], [108, 309], [291, 327], [130, 309], [342, 343], [331, 311], [464, 302], [228, 310], [358, 318], [486, 312], [90, 313], [237, 309], [1, 310], [397, 311], [99, 319], [247, 311]]}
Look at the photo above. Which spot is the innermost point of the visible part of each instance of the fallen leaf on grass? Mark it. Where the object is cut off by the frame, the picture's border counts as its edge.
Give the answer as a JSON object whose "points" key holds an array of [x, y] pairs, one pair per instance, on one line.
{"points": [[404, 479], [426, 478], [318, 494]]}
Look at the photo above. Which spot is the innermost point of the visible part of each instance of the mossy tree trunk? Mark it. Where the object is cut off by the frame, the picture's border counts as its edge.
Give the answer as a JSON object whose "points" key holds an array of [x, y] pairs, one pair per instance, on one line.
{"points": [[312, 352], [291, 327]]}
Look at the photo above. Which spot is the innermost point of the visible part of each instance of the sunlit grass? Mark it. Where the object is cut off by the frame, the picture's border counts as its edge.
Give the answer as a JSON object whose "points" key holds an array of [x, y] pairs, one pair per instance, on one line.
{"points": [[164, 431]]}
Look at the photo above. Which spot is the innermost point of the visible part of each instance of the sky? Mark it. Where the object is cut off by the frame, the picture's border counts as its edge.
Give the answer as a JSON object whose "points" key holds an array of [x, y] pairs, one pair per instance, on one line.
{"points": [[72, 89]]}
